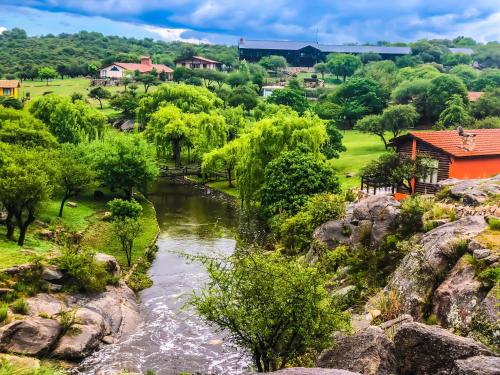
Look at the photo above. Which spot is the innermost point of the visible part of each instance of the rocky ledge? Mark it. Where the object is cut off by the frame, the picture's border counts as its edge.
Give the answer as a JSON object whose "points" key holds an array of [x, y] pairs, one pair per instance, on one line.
{"points": [[71, 327]]}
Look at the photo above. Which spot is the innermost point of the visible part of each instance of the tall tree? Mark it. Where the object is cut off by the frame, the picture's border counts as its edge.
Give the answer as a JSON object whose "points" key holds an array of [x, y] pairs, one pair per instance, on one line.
{"points": [[322, 69], [99, 93], [47, 73], [343, 65]]}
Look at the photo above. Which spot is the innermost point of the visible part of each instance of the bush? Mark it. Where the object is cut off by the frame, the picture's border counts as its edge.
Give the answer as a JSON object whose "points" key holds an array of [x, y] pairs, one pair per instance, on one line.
{"points": [[389, 305], [20, 306], [4, 311], [86, 275], [494, 223], [411, 219], [490, 276], [121, 208]]}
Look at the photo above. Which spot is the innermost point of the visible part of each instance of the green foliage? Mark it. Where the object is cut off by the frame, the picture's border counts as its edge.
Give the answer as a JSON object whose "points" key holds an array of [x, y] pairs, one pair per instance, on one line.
{"points": [[454, 114], [427, 51], [99, 93], [454, 59], [47, 73], [333, 145], [86, 275], [490, 276], [368, 57], [4, 312], [343, 65], [488, 55], [486, 123], [411, 218], [20, 306], [124, 162], [487, 105], [322, 69], [296, 231], [66, 320], [122, 208], [11, 102], [383, 72], [224, 158], [466, 73], [425, 71], [494, 223], [489, 79], [388, 303], [441, 90], [127, 229], [243, 95], [414, 92], [254, 296], [293, 98], [291, 178], [273, 62], [139, 279]]}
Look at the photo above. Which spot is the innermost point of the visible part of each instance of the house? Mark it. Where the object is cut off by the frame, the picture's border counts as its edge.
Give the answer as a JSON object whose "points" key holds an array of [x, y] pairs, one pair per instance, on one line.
{"points": [[474, 154], [9, 87], [474, 95], [197, 62], [120, 70], [310, 53]]}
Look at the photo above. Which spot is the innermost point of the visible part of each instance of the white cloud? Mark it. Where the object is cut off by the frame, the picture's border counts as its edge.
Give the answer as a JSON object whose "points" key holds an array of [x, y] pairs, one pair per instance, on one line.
{"points": [[2, 29], [170, 35]]}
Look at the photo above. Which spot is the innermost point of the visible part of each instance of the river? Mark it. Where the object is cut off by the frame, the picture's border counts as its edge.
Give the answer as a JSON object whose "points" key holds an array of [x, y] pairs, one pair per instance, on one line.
{"points": [[173, 339]]}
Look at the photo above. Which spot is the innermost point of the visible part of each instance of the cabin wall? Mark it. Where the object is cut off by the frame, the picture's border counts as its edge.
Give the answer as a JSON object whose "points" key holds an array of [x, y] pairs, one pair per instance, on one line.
{"points": [[475, 167]]}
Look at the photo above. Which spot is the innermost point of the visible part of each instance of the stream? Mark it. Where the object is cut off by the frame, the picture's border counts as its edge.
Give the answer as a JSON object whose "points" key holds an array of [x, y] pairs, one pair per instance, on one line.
{"points": [[172, 339]]}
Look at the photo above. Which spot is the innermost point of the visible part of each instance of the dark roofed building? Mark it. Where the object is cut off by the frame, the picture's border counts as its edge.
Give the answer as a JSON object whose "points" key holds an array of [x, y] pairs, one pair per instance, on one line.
{"points": [[310, 53]]}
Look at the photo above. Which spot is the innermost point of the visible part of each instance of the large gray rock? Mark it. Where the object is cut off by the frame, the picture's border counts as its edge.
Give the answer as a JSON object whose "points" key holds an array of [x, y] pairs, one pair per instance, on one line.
{"points": [[480, 365], [430, 350], [473, 192], [32, 336], [51, 273], [455, 300], [83, 337], [485, 322], [421, 271], [313, 371], [368, 351], [112, 265], [45, 304]]}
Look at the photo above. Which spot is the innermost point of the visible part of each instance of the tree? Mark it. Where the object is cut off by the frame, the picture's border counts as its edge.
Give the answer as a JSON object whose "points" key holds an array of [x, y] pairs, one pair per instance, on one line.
{"points": [[441, 90], [454, 114], [384, 72], [489, 79], [487, 105], [148, 80], [321, 68], [210, 75], [122, 208], [453, 59], [466, 73], [74, 174], [123, 161], [333, 145], [425, 71], [488, 55], [243, 95], [237, 79], [224, 158], [99, 93], [127, 229], [296, 99], [276, 307], [343, 65], [292, 178], [368, 57], [274, 63], [427, 51], [126, 102], [47, 73], [372, 124], [21, 128], [414, 92], [10, 102]]}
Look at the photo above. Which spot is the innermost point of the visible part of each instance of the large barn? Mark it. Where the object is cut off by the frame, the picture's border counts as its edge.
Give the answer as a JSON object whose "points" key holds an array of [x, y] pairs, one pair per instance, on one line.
{"points": [[309, 53]]}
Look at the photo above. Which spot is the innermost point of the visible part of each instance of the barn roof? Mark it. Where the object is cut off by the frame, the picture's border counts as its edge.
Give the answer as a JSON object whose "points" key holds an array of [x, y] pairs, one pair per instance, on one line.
{"points": [[294, 46], [9, 83], [486, 141], [144, 68]]}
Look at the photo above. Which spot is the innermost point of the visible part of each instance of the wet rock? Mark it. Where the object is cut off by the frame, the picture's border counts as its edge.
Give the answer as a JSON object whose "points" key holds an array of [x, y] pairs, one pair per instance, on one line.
{"points": [[32, 336], [456, 298], [45, 304], [479, 365], [430, 350], [420, 271], [313, 371], [368, 351], [83, 337], [51, 273]]}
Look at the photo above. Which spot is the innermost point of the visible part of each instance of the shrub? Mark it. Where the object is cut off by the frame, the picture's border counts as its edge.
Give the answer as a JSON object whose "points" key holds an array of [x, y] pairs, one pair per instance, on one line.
{"points": [[121, 208], [85, 273], [411, 219], [4, 311], [494, 223], [490, 276], [20, 306], [389, 305], [66, 319]]}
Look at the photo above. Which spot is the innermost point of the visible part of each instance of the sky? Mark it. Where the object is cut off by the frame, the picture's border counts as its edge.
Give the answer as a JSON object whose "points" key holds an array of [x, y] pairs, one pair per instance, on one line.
{"points": [[225, 21]]}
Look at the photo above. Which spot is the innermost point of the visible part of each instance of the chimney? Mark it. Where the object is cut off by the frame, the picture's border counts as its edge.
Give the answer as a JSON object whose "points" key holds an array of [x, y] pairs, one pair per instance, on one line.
{"points": [[145, 60], [242, 40]]}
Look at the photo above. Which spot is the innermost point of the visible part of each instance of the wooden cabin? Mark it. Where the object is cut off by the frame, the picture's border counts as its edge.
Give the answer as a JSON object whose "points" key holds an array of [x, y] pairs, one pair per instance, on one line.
{"points": [[9, 87], [475, 154], [197, 62]]}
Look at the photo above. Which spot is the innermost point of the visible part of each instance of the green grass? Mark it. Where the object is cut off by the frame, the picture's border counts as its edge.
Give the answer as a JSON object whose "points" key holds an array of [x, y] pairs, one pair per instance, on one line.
{"points": [[224, 187], [361, 149], [73, 218]]}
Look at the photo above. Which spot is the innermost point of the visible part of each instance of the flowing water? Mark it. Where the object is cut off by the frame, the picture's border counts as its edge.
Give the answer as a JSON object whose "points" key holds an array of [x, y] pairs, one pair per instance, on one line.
{"points": [[172, 339]]}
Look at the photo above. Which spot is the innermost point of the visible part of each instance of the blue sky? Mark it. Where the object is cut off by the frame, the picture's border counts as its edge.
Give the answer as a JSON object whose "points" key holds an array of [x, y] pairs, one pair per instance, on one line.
{"points": [[224, 21]]}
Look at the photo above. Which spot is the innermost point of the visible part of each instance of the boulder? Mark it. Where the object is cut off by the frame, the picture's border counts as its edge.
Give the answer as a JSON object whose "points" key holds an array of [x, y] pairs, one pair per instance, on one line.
{"points": [[44, 303], [392, 326], [481, 253], [473, 192], [334, 233], [112, 265], [368, 351], [479, 365], [51, 273], [429, 350], [22, 362], [82, 337], [421, 270], [313, 371], [71, 204], [485, 322], [456, 298], [32, 336]]}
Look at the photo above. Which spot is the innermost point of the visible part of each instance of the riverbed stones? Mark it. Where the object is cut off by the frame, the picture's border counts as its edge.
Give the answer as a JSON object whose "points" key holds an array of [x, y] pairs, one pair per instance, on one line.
{"points": [[32, 336], [421, 270], [368, 351], [429, 350]]}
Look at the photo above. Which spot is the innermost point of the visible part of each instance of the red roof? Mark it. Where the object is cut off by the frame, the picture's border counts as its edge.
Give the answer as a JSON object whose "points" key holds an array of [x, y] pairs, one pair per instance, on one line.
{"points": [[486, 141], [201, 58], [144, 68], [474, 95], [9, 83]]}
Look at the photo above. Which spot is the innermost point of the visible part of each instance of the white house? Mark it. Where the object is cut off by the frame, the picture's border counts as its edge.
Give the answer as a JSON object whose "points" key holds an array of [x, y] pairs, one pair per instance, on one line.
{"points": [[197, 62], [120, 70]]}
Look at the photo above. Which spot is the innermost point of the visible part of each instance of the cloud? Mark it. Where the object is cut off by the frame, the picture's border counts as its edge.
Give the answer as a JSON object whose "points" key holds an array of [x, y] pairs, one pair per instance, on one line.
{"points": [[332, 21], [2, 29]]}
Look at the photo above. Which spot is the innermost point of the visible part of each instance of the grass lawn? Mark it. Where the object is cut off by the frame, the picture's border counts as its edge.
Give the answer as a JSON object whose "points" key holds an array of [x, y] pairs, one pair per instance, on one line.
{"points": [[361, 149], [225, 188]]}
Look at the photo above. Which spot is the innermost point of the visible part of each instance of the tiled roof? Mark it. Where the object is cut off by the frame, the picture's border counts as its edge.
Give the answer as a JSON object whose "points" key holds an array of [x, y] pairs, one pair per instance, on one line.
{"points": [[474, 95], [486, 141], [294, 46], [201, 58], [144, 68], [9, 83]]}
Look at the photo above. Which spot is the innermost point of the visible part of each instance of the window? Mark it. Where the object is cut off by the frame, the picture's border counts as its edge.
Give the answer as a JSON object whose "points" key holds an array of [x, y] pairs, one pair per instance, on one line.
{"points": [[115, 69], [7, 92], [204, 66], [432, 175]]}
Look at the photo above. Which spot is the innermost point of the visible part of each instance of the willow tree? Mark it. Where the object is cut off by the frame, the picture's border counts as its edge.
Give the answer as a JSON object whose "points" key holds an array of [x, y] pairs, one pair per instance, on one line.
{"points": [[267, 140], [211, 132], [224, 158]]}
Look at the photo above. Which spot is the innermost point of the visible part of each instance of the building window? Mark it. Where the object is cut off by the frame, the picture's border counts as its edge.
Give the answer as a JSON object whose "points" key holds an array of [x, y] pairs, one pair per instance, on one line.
{"points": [[7, 92], [432, 175], [204, 66], [115, 69]]}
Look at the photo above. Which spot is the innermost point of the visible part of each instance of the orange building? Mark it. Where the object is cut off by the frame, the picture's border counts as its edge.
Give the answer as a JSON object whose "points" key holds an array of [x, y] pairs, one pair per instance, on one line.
{"points": [[475, 154]]}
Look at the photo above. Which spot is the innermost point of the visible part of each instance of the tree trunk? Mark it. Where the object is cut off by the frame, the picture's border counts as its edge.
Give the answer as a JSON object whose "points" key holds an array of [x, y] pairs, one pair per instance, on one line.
{"points": [[10, 225], [258, 363], [177, 153], [61, 208], [100, 102], [23, 226], [229, 177]]}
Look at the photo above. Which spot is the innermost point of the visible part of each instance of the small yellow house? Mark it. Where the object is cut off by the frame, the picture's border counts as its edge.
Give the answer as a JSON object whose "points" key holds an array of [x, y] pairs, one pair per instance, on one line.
{"points": [[9, 87]]}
